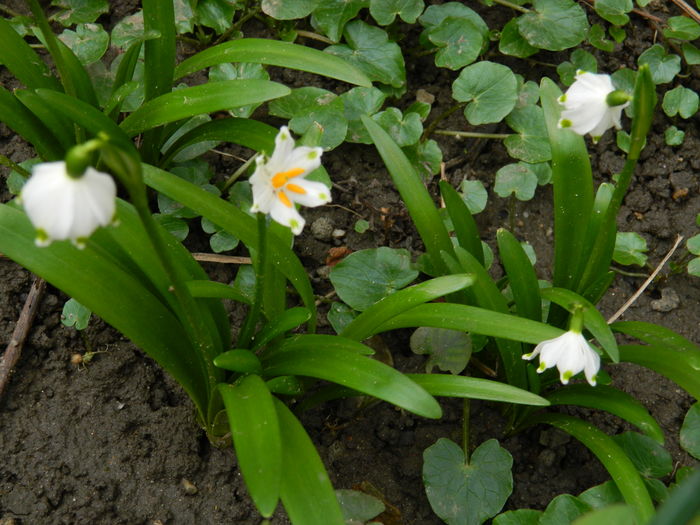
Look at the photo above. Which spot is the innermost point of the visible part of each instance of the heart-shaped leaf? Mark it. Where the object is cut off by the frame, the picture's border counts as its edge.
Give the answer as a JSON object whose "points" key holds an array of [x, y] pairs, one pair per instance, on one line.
{"points": [[554, 24], [449, 350], [690, 431], [491, 90], [664, 67]]}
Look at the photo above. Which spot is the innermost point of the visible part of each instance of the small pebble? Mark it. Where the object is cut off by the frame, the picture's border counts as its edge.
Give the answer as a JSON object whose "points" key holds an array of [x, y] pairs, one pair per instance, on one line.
{"points": [[188, 487], [338, 233], [322, 228], [669, 301]]}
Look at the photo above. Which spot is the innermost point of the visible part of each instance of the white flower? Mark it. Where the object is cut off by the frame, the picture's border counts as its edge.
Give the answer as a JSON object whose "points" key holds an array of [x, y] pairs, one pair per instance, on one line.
{"points": [[278, 182], [63, 207], [589, 106], [571, 354]]}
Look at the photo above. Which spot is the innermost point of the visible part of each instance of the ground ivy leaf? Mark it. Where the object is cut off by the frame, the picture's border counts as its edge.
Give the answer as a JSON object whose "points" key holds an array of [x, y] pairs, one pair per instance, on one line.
{"points": [[614, 11], [436, 14], [554, 25], [491, 90], [426, 157], [650, 458], [385, 11], [580, 59], [367, 276], [518, 517], [528, 93], [216, 14], [239, 70], [75, 314], [80, 11], [404, 129], [674, 136], [694, 267], [664, 67], [357, 506], [178, 228], [128, 30], [369, 49], [602, 495], [458, 40], [340, 315], [286, 10], [565, 508], [512, 42], [474, 195], [690, 431], [596, 37], [184, 16], [89, 42], [449, 350], [331, 16], [630, 248], [691, 54], [680, 101], [531, 142], [682, 28], [357, 102], [517, 179], [467, 493], [693, 244]]}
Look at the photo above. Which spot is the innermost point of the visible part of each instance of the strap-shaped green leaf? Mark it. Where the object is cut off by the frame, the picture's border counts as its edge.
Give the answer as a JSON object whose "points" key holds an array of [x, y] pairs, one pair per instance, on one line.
{"points": [[236, 222], [159, 53], [682, 504], [306, 491], [62, 128], [655, 335], [444, 385], [465, 227], [124, 75], [592, 318], [611, 400], [213, 289], [22, 60], [84, 90], [347, 368], [521, 276], [613, 458], [196, 100], [414, 194], [472, 319], [573, 192], [23, 122], [255, 430], [365, 324], [274, 53], [299, 342], [287, 320]]}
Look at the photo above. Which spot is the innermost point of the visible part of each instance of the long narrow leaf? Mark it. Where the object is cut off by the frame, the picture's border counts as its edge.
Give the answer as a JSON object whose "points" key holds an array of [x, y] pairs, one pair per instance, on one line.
{"points": [[368, 321], [196, 100], [521, 276], [465, 227], [611, 400], [62, 128], [414, 194], [299, 342], [444, 385], [655, 335], [274, 53], [159, 53], [306, 491], [286, 321], [355, 371], [212, 289], [22, 60], [256, 438], [236, 222], [682, 505], [613, 458], [84, 90]]}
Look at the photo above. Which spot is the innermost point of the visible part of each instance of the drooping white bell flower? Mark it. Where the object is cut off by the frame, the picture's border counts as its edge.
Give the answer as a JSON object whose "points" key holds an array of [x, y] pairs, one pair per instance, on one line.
{"points": [[592, 105], [63, 207], [279, 182], [571, 354]]}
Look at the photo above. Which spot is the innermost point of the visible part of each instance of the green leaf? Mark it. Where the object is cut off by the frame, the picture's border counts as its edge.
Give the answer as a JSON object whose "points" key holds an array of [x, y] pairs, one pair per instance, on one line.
{"points": [[241, 361], [89, 42], [202, 288], [596, 37], [242, 70], [518, 517], [517, 179], [369, 50], [274, 53], [459, 42], [405, 130], [464, 225], [664, 67], [75, 314], [367, 276], [331, 16], [691, 54], [288, 320], [564, 508], [306, 491], [22, 60], [217, 14], [530, 143], [694, 267], [682, 28], [674, 136], [602, 495], [630, 248], [657, 335], [347, 368], [426, 156], [281, 10], [206, 98], [340, 316], [357, 506], [512, 42], [474, 195], [554, 25], [79, 11], [462, 491], [437, 14], [680, 101], [580, 60], [650, 458], [447, 385], [490, 89], [449, 350], [614, 11], [690, 432], [682, 505], [521, 276], [693, 244], [359, 102], [385, 11]]}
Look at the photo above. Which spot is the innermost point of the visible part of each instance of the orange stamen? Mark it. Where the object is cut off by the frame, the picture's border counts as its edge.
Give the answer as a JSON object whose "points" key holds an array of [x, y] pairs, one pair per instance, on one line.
{"points": [[296, 189], [285, 200], [281, 178]]}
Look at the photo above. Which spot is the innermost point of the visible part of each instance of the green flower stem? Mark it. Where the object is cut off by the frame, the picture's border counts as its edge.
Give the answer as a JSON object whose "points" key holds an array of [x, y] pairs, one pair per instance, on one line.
{"points": [[246, 336], [236, 174], [14, 166], [471, 134], [576, 321], [512, 6]]}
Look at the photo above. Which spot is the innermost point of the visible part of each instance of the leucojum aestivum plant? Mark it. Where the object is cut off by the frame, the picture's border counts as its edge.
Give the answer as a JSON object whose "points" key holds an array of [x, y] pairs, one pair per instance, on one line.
{"points": [[145, 132]]}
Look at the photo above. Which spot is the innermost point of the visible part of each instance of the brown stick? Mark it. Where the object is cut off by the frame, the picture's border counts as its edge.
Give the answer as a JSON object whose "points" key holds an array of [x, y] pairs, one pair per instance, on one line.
{"points": [[224, 259], [692, 13], [24, 323]]}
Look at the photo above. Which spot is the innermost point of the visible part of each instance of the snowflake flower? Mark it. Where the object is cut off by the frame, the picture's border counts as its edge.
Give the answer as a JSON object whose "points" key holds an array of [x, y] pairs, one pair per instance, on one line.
{"points": [[571, 354], [279, 182], [63, 207], [592, 105]]}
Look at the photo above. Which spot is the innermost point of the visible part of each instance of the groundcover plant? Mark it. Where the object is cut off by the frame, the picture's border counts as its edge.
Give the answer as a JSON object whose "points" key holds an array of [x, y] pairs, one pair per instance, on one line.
{"points": [[118, 134]]}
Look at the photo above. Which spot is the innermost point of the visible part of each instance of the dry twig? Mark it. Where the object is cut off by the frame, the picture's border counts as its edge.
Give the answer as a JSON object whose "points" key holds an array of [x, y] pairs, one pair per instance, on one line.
{"points": [[223, 259]]}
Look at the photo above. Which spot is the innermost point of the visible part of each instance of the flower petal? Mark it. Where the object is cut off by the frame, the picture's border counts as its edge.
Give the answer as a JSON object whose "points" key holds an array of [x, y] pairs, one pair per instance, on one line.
{"points": [[308, 193]]}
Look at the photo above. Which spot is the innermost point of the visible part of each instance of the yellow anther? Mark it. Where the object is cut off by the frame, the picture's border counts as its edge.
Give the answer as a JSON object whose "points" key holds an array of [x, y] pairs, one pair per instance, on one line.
{"points": [[296, 189], [281, 178]]}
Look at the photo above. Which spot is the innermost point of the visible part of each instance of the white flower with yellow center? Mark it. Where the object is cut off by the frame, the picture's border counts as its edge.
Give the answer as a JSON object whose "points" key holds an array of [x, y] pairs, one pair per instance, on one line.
{"points": [[63, 207], [592, 105], [278, 182], [570, 353]]}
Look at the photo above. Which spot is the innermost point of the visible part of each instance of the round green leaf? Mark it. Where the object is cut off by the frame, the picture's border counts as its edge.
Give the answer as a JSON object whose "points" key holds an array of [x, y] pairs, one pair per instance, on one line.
{"points": [[449, 350], [385, 11], [331, 16], [474, 195], [517, 179], [365, 277], [467, 492], [674, 136], [693, 244], [630, 248], [518, 517], [512, 42], [680, 101], [596, 37], [217, 14], [491, 90], [89, 42], [614, 11], [694, 267], [691, 54], [554, 24], [563, 509], [690, 431], [286, 10], [531, 141], [425, 156], [75, 314], [220, 72], [357, 506], [664, 67], [459, 42], [436, 14], [682, 28], [80, 11], [650, 458], [580, 59], [404, 129]]}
